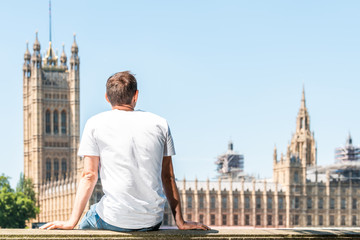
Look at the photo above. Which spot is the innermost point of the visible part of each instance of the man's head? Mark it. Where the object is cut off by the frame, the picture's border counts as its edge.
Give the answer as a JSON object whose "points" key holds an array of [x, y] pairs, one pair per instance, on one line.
{"points": [[121, 89]]}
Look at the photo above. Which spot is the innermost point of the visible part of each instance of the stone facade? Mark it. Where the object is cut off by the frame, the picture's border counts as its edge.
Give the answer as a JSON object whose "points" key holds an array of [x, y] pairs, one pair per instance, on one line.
{"points": [[301, 194]]}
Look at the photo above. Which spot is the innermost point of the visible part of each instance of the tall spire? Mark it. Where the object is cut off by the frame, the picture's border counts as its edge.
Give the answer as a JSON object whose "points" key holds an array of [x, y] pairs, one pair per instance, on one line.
{"points": [[49, 20], [303, 104]]}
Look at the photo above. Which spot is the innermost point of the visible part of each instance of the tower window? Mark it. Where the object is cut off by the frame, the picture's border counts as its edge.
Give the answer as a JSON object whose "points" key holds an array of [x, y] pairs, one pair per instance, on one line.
{"points": [[47, 121], [48, 169], [321, 220], [281, 203], [258, 202], [301, 123], [269, 203], [332, 203], [269, 220], [236, 203], [343, 221], [309, 203], [296, 176], [236, 219], [247, 203], [332, 220], [201, 202], [321, 203], [281, 220], [224, 219], [63, 122], [258, 220], [212, 219], [63, 167], [56, 122], [354, 203], [224, 202], [189, 201], [247, 219], [56, 169], [201, 218], [308, 220], [212, 202]]}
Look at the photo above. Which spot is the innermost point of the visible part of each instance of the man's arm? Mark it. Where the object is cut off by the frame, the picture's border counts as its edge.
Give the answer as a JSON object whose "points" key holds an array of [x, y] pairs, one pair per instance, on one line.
{"points": [[86, 186], [173, 197]]}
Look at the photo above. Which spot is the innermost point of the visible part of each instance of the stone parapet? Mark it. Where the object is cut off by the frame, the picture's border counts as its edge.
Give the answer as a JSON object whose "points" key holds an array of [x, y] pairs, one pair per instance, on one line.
{"points": [[226, 233]]}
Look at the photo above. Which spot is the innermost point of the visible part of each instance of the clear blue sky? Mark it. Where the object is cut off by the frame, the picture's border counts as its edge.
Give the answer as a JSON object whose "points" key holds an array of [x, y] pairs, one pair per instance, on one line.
{"points": [[215, 69]]}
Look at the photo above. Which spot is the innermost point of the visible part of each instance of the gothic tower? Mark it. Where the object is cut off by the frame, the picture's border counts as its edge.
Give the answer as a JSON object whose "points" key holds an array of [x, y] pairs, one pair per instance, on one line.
{"points": [[301, 153], [51, 128], [303, 143]]}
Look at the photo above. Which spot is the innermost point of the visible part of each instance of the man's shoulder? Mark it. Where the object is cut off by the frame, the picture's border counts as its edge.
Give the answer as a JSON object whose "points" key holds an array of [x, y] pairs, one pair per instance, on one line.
{"points": [[150, 115], [97, 117]]}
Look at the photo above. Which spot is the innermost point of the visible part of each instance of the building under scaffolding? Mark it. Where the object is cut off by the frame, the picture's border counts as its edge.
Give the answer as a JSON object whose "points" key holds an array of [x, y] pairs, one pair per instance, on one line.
{"points": [[347, 153], [230, 164], [345, 168]]}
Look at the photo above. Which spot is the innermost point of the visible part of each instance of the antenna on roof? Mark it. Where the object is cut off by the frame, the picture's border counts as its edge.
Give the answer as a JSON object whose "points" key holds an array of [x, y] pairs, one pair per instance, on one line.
{"points": [[50, 20]]}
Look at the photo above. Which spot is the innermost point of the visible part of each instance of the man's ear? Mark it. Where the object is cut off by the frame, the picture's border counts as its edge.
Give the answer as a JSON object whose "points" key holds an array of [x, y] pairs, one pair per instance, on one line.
{"points": [[107, 99], [136, 95]]}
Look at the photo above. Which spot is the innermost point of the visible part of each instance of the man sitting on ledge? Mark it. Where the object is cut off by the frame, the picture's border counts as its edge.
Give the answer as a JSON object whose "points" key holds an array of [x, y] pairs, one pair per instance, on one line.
{"points": [[132, 151]]}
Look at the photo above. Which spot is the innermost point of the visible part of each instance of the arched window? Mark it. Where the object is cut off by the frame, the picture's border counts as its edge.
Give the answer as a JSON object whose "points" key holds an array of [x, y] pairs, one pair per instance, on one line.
{"points": [[48, 169], [63, 168], [56, 122], [47, 121], [63, 122], [56, 169], [296, 176]]}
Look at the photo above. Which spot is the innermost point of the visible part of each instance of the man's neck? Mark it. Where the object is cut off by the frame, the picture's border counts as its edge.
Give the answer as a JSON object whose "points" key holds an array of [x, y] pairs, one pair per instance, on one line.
{"points": [[125, 107]]}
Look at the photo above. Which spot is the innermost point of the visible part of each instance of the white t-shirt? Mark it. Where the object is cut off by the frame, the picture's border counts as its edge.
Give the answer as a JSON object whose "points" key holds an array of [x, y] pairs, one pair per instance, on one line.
{"points": [[131, 146]]}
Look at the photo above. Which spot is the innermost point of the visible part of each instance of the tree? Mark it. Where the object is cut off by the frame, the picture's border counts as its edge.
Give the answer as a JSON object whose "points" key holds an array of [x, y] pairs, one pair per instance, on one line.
{"points": [[16, 207], [26, 186]]}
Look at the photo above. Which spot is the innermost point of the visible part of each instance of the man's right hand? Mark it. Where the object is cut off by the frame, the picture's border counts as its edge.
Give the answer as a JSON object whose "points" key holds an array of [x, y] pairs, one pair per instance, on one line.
{"points": [[192, 225]]}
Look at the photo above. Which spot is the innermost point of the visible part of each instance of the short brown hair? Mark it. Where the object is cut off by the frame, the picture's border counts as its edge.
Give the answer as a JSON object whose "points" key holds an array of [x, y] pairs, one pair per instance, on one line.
{"points": [[121, 88]]}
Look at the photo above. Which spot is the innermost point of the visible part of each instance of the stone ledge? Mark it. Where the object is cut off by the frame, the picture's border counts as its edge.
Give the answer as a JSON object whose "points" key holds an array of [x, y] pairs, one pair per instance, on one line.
{"points": [[223, 233]]}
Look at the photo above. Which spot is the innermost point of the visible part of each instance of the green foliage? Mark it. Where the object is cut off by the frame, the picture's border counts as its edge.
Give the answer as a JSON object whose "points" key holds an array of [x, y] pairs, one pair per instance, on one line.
{"points": [[4, 183], [16, 207], [26, 186]]}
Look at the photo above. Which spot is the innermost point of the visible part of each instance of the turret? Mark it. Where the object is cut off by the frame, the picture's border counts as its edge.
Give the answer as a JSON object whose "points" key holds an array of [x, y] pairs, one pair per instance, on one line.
{"points": [[27, 59], [63, 58], [74, 60], [36, 57]]}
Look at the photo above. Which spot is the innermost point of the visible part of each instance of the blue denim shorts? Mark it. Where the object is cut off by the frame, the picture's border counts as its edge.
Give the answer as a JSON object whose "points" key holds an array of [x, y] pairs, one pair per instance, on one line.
{"points": [[92, 220]]}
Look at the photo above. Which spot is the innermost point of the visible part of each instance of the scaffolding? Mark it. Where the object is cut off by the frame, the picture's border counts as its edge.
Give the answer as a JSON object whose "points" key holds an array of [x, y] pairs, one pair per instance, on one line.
{"points": [[230, 164], [347, 153], [346, 166]]}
